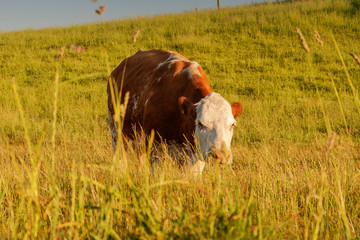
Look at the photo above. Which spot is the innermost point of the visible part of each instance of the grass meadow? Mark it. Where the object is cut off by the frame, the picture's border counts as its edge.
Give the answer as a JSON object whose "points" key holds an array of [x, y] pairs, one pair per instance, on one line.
{"points": [[296, 149]]}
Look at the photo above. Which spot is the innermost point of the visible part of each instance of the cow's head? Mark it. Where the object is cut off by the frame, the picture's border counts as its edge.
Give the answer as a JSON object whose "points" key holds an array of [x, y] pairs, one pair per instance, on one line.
{"points": [[214, 124]]}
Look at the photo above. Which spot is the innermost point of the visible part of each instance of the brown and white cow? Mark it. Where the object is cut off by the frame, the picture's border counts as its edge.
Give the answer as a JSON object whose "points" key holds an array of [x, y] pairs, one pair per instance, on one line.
{"points": [[172, 95]]}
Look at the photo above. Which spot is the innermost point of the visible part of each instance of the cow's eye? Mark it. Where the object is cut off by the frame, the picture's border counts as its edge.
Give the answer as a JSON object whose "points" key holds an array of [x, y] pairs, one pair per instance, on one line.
{"points": [[232, 126]]}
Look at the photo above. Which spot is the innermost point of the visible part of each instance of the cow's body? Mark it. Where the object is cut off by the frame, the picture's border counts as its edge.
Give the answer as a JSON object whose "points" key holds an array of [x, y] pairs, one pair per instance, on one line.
{"points": [[163, 86]]}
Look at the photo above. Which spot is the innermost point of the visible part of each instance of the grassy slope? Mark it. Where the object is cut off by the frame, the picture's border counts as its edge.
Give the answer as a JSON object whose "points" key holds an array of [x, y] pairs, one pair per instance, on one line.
{"points": [[283, 183]]}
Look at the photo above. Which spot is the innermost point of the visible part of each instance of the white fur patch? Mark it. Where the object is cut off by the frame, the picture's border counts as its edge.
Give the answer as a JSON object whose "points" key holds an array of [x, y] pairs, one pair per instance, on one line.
{"points": [[135, 100], [170, 61], [192, 70], [214, 123]]}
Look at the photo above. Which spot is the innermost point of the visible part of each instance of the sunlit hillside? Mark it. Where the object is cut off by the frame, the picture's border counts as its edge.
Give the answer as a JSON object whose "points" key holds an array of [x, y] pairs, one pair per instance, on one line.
{"points": [[296, 147]]}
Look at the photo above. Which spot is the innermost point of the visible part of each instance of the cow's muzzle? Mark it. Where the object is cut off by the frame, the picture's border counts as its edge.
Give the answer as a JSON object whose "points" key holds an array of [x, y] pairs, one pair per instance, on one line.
{"points": [[222, 156]]}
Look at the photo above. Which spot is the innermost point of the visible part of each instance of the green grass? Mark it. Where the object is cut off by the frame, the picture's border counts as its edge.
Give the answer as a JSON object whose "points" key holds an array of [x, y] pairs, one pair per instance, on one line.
{"points": [[58, 178]]}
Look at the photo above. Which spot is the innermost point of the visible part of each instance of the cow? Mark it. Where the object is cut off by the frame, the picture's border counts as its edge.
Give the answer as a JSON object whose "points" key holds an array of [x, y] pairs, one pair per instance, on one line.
{"points": [[171, 95]]}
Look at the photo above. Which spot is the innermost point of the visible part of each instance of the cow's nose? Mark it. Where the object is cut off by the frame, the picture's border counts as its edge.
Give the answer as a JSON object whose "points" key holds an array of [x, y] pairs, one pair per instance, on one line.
{"points": [[216, 153], [220, 155]]}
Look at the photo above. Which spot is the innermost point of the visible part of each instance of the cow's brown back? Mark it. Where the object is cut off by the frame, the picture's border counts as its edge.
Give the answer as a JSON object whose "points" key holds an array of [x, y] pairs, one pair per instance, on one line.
{"points": [[156, 79]]}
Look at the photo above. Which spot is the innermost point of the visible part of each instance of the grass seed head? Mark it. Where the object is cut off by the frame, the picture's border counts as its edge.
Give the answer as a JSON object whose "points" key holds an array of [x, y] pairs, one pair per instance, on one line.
{"points": [[303, 40], [318, 38], [135, 35], [62, 51], [331, 141], [357, 59]]}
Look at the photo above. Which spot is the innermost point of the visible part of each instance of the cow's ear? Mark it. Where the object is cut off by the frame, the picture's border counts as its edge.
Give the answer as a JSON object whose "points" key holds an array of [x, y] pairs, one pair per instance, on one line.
{"points": [[236, 109], [185, 105]]}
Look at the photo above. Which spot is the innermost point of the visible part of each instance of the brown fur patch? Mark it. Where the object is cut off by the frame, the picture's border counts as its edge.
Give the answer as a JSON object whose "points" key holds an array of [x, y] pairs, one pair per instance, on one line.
{"points": [[156, 81]]}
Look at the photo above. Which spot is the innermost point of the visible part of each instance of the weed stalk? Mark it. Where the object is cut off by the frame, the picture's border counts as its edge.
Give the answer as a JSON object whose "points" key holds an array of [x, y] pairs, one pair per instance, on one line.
{"points": [[339, 102], [354, 91], [33, 205]]}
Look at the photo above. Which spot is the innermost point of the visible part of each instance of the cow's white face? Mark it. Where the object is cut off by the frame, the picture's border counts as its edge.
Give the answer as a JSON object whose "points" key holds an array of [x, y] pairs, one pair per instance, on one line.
{"points": [[214, 127]]}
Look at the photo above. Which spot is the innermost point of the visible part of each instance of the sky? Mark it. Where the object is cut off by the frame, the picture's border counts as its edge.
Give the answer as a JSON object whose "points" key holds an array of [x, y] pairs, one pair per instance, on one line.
{"points": [[34, 14]]}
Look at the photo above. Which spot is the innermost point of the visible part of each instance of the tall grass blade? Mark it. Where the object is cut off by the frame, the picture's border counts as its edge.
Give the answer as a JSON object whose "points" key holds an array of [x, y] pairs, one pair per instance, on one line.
{"points": [[53, 135], [33, 205], [119, 112], [354, 91], [340, 200], [340, 104], [309, 59], [22, 117], [108, 69], [54, 191]]}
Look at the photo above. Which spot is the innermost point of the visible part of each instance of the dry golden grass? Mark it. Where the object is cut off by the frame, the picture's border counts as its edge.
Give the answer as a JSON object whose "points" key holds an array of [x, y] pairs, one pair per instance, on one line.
{"points": [[318, 38], [62, 51], [135, 36], [357, 59], [289, 179], [303, 40]]}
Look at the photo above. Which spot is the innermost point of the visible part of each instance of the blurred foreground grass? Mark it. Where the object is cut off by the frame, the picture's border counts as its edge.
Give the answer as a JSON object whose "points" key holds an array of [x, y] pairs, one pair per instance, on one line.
{"points": [[289, 179]]}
